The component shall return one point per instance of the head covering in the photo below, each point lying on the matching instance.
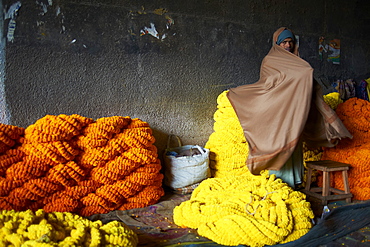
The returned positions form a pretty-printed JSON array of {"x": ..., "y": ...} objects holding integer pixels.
[
  {"x": 276, "y": 35},
  {"x": 284, "y": 35}
]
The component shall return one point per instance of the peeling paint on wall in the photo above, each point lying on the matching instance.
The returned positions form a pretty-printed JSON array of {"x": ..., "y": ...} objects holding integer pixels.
[
  {"x": 160, "y": 11},
  {"x": 152, "y": 30},
  {"x": 4, "y": 111},
  {"x": 44, "y": 6},
  {"x": 170, "y": 22}
]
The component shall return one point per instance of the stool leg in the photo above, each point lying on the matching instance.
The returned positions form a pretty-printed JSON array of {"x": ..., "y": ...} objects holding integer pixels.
[
  {"x": 308, "y": 179},
  {"x": 346, "y": 185},
  {"x": 326, "y": 185}
]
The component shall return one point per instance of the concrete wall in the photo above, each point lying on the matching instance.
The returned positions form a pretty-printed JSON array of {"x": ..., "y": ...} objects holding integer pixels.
[{"x": 88, "y": 56}]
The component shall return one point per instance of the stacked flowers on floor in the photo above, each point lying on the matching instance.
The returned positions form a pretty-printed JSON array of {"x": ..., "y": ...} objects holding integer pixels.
[
  {"x": 249, "y": 210},
  {"x": 355, "y": 115},
  {"x": 70, "y": 163},
  {"x": 27, "y": 228},
  {"x": 236, "y": 207},
  {"x": 228, "y": 146}
]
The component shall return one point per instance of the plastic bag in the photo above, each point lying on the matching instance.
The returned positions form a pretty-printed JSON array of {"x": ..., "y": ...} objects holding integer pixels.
[{"x": 185, "y": 165}]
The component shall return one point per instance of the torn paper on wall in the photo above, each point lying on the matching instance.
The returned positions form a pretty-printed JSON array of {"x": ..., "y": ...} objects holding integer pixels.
[
  {"x": 11, "y": 14},
  {"x": 152, "y": 31},
  {"x": 331, "y": 49},
  {"x": 44, "y": 6},
  {"x": 12, "y": 11},
  {"x": 11, "y": 29}
]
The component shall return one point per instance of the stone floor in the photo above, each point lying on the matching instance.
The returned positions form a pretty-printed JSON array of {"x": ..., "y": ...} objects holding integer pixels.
[{"x": 360, "y": 237}]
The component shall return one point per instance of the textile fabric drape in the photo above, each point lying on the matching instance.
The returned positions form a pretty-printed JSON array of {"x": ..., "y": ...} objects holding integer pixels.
[{"x": 273, "y": 111}]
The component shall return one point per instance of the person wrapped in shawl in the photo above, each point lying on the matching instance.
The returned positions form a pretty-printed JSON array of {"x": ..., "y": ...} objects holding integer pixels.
[{"x": 282, "y": 109}]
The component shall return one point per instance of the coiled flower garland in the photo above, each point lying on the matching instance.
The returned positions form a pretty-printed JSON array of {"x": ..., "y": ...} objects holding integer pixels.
[
  {"x": 27, "y": 228},
  {"x": 228, "y": 146},
  {"x": 9, "y": 136},
  {"x": 250, "y": 210},
  {"x": 355, "y": 115},
  {"x": 69, "y": 163}
]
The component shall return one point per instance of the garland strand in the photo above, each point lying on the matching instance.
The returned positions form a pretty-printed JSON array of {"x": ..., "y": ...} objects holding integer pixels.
[
  {"x": 250, "y": 210},
  {"x": 27, "y": 228}
]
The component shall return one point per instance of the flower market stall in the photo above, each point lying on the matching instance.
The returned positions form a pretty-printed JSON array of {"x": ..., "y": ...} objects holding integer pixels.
[
  {"x": 72, "y": 180},
  {"x": 73, "y": 164}
]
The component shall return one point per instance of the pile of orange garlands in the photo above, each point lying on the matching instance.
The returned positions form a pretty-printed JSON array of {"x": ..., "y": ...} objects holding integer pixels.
[
  {"x": 355, "y": 115},
  {"x": 70, "y": 163}
]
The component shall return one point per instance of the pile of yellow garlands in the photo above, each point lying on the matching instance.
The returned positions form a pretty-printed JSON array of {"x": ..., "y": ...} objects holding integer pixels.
[
  {"x": 250, "y": 210},
  {"x": 70, "y": 163},
  {"x": 355, "y": 115},
  {"x": 228, "y": 146},
  {"x": 229, "y": 149},
  {"x": 27, "y": 228},
  {"x": 236, "y": 207}
]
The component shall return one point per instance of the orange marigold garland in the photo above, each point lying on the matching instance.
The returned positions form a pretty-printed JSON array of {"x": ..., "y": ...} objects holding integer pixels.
[
  {"x": 27, "y": 169},
  {"x": 127, "y": 188},
  {"x": 56, "y": 128},
  {"x": 355, "y": 115},
  {"x": 7, "y": 185},
  {"x": 9, "y": 135},
  {"x": 10, "y": 157},
  {"x": 69, "y": 163}
]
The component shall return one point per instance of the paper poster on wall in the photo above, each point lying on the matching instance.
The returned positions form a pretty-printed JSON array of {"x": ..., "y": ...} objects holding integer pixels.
[{"x": 330, "y": 49}]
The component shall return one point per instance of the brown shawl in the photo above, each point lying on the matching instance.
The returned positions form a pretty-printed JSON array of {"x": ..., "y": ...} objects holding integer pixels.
[{"x": 273, "y": 112}]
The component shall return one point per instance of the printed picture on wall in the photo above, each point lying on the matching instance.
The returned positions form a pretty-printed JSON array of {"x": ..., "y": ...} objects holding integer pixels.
[{"x": 330, "y": 50}]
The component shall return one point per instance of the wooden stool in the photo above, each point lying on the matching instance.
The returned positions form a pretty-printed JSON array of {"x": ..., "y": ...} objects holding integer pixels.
[{"x": 327, "y": 166}]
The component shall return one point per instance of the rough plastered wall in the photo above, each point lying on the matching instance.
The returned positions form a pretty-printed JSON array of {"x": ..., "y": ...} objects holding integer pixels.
[{"x": 164, "y": 62}]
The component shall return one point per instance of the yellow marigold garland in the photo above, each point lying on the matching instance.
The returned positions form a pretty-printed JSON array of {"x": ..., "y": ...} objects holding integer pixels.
[
  {"x": 228, "y": 146},
  {"x": 333, "y": 100},
  {"x": 74, "y": 164},
  {"x": 282, "y": 220},
  {"x": 27, "y": 228},
  {"x": 250, "y": 210}
]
